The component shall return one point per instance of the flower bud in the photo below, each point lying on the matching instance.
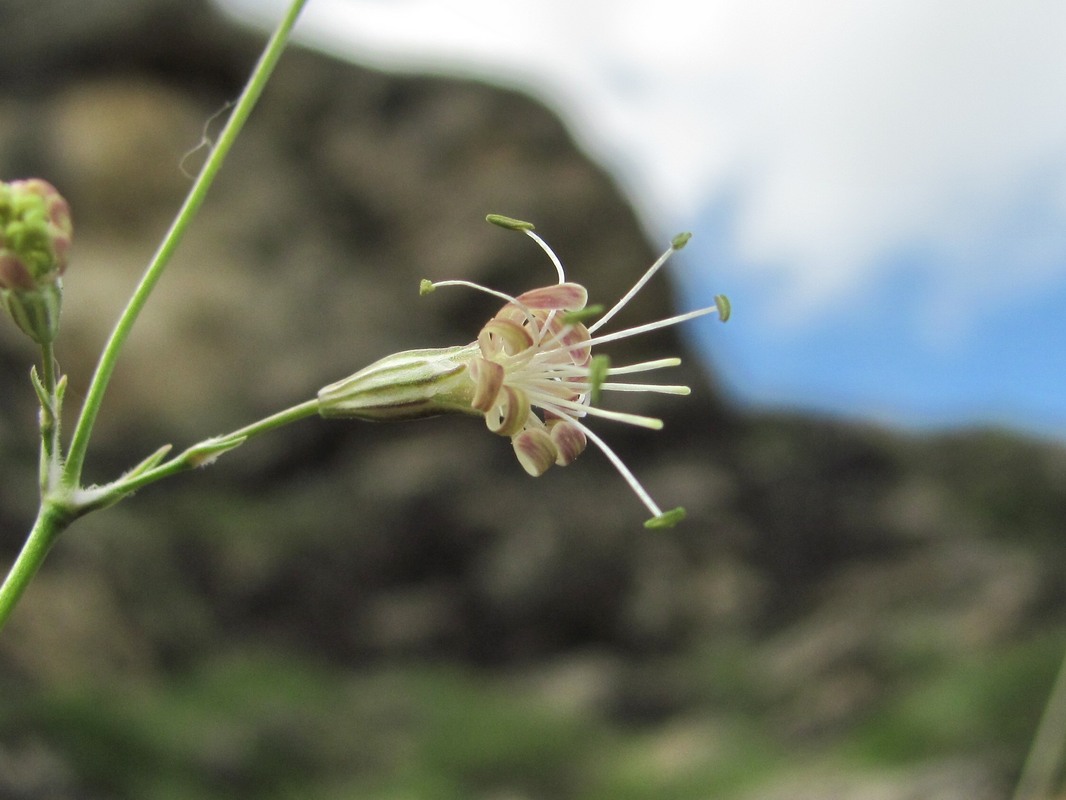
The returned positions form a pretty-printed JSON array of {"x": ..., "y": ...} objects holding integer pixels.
[
  {"x": 408, "y": 385},
  {"x": 35, "y": 236}
]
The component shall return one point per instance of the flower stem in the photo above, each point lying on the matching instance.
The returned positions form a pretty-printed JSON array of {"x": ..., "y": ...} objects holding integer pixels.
[
  {"x": 198, "y": 455},
  {"x": 50, "y": 410},
  {"x": 51, "y": 521},
  {"x": 109, "y": 357}
]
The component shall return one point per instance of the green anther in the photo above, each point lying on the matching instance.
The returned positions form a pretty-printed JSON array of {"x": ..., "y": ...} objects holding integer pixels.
[
  {"x": 680, "y": 240},
  {"x": 509, "y": 222},
  {"x": 721, "y": 302},
  {"x": 598, "y": 367},
  {"x": 425, "y": 287},
  {"x": 667, "y": 519},
  {"x": 588, "y": 312}
]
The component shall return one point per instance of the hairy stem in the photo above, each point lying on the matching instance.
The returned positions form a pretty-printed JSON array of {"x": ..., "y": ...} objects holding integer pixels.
[
  {"x": 209, "y": 449},
  {"x": 51, "y": 521},
  {"x": 50, "y": 446}
]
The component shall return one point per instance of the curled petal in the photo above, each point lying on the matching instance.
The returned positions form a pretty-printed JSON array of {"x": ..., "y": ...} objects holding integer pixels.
[
  {"x": 510, "y": 412},
  {"x": 560, "y": 297},
  {"x": 488, "y": 378},
  {"x": 569, "y": 440},
  {"x": 503, "y": 335},
  {"x": 528, "y": 321},
  {"x": 535, "y": 450}
]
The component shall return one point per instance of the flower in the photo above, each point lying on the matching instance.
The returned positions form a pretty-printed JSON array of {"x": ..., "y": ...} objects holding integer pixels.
[
  {"x": 35, "y": 235},
  {"x": 531, "y": 374}
]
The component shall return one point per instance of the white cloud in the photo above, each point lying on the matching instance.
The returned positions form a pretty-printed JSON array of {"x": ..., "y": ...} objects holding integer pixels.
[{"x": 843, "y": 131}]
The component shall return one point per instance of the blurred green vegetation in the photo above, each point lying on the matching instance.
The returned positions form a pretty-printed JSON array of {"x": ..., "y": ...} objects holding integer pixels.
[{"x": 261, "y": 724}]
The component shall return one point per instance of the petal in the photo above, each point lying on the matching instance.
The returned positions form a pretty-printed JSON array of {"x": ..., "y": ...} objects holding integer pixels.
[
  {"x": 508, "y": 416},
  {"x": 488, "y": 375},
  {"x": 569, "y": 440},
  {"x": 535, "y": 451},
  {"x": 568, "y": 334},
  {"x": 503, "y": 335},
  {"x": 560, "y": 297}
]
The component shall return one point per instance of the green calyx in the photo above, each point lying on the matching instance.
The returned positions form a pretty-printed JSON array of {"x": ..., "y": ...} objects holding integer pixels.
[
  {"x": 35, "y": 311},
  {"x": 408, "y": 385}
]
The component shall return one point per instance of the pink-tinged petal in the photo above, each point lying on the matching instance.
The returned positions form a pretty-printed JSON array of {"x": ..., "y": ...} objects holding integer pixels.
[
  {"x": 503, "y": 335},
  {"x": 570, "y": 334},
  {"x": 535, "y": 451},
  {"x": 560, "y": 297},
  {"x": 13, "y": 273},
  {"x": 488, "y": 377},
  {"x": 508, "y": 416},
  {"x": 569, "y": 441},
  {"x": 579, "y": 335}
]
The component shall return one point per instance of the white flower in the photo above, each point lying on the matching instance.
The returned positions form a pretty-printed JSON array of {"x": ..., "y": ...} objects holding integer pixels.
[{"x": 531, "y": 374}]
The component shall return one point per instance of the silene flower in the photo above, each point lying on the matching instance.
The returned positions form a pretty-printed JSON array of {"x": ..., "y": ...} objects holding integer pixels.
[{"x": 531, "y": 374}]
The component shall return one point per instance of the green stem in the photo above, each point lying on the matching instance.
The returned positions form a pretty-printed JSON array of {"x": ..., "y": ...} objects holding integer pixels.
[
  {"x": 109, "y": 357},
  {"x": 306, "y": 409},
  {"x": 48, "y": 368},
  {"x": 49, "y": 417},
  {"x": 51, "y": 521},
  {"x": 198, "y": 455}
]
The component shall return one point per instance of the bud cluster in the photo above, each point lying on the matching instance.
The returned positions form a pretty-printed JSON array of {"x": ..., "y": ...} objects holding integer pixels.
[{"x": 35, "y": 236}]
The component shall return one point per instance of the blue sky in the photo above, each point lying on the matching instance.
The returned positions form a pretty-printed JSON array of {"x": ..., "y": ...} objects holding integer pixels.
[{"x": 880, "y": 187}]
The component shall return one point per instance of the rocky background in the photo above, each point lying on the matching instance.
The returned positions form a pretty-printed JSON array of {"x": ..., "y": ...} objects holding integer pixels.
[{"x": 347, "y": 610}]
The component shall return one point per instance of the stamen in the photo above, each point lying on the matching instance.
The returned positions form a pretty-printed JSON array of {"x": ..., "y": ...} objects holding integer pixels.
[
  {"x": 667, "y": 519},
  {"x": 559, "y": 406},
  {"x": 574, "y": 317},
  {"x": 651, "y": 326},
  {"x": 428, "y": 286},
  {"x": 578, "y": 371},
  {"x": 632, "y": 292},
  {"x": 645, "y": 366},
  {"x": 623, "y": 470},
  {"x": 598, "y": 368},
  {"x": 510, "y": 223},
  {"x": 544, "y": 246},
  {"x": 657, "y": 388},
  {"x": 724, "y": 307}
]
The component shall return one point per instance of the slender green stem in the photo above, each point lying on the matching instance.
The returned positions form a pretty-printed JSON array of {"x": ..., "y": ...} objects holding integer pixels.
[
  {"x": 306, "y": 409},
  {"x": 109, "y": 357},
  {"x": 51, "y": 521},
  {"x": 48, "y": 368},
  {"x": 49, "y": 417},
  {"x": 200, "y": 454}
]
